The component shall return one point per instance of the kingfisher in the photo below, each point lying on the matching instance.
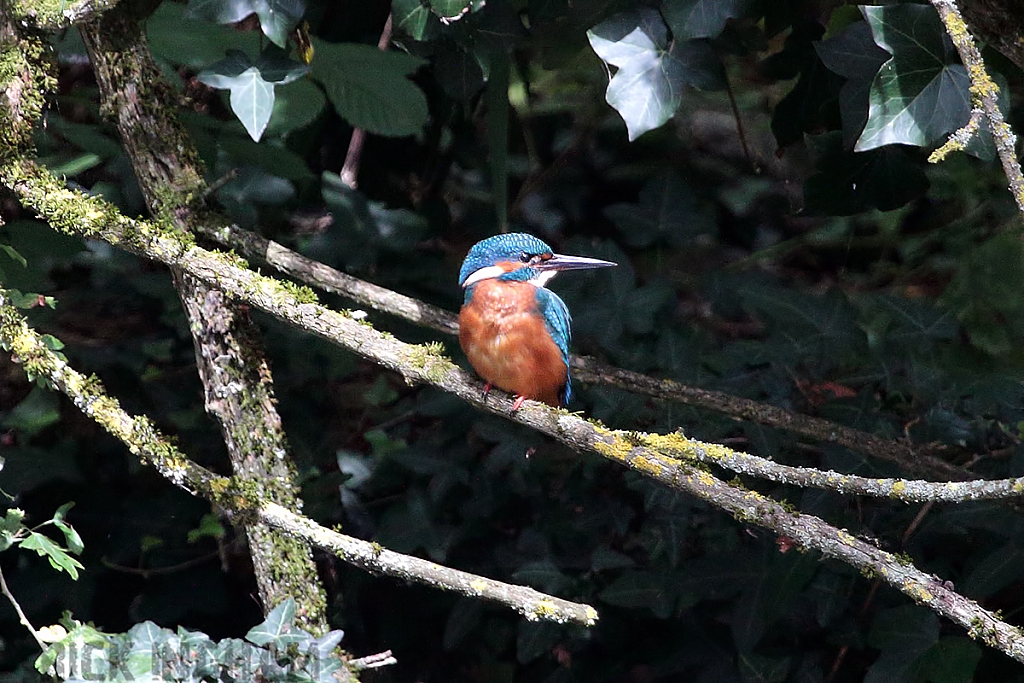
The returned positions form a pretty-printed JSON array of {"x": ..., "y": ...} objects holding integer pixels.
[{"x": 514, "y": 330}]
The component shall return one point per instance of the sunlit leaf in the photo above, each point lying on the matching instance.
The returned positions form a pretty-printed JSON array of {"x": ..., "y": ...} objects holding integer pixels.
[
  {"x": 652, "y": 71},
  {"x": 922, "y": 92}
]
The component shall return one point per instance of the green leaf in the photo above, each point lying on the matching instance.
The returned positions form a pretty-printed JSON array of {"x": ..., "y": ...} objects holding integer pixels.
[
  {"x": 464, "y": 618},
  {"x": 846, "y": 183},
  {"x": 369, "y": 88},
  {"x": 700, "y": 18},
  {"x": 902, "y": 634},
  {"x": 209, "y": 527},
  {"x": 35, "y": 412},
  {"x": 668, "y": 210},
  {"x": 922, "y": 92},
  {"x": 58, "y": 557},
  {"x": 758, "y": 669},
  {"x": 277, "y": 17},
  {"x": 450, "y": 9},
  {"x": 252, "y": 85},
  {"x": 220, "y": 11},
  {"x": 71, "y": 537},
  {"x": 951, "y": 660},
  {"x": 536, "y": 638},
  {"x": 176, "y": 37},
  {"x": 10, "y": 525},
  {"x": 648, "y": 86},
  {"x": 13, "y": 255},
  {"x": 415, "y": 19},
  {"x": 276, "y": 629},
  {"x": 640, "y": 589},
  {"x": 853, "y": 54}
]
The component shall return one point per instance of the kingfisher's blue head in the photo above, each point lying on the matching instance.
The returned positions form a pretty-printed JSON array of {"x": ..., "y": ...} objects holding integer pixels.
[{"x": 519, "y": 257}]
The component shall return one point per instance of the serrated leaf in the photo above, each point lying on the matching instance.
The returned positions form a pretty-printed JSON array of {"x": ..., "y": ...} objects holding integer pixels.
[
  {"x": 369, "y": 88},
  {"x": 700, "y": 18},
  {"x": 652, "y": 72},
  {"x": 58, "y": 557},
  {"x": 71, "y": 537},
  {"x": 922, "y": 92}
]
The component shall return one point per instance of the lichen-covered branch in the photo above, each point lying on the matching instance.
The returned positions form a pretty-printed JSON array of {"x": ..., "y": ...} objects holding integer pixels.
[
  {"x": 241, "y": 497},
  {"x": 585, "y": 369},
  {"x": 986, "y": 94},
  {"x": 424, "y": 363},
  {"x": 906, "y": 490},
  {"x": 234, "y": 371}
]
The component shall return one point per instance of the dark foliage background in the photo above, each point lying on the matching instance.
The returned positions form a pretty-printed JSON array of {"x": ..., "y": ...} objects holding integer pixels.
[{"x": 865, "y": 287}]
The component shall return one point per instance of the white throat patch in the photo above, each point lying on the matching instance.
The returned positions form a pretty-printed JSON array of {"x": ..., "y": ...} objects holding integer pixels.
[{"x": 490, "y": 272}]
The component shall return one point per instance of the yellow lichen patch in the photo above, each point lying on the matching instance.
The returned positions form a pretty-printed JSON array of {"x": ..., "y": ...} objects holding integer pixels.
[
  {"x": 899, "y": 488},
  {"x": 591, "y": 615},
  {"x": 545, "y": 609},
  {"x": 917, "y": 591},
  {"x": 705, "y": 479},
  {"x": 646, "y": 465},
  {"x": 478, "y": 586},
  {"x": 617, "y": 450}
]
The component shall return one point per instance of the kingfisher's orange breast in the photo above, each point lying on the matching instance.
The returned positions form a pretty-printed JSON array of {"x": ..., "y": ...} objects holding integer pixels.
[{"x": 502, "y": 332}]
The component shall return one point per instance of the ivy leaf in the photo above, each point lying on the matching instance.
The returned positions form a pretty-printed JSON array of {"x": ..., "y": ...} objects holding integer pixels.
[
  {"x": 58, "y": 557},
  {"x": 903, "y": 634},
  {"x": 922, "y": 92},
  {"x": 700, "y": 18},
  {"x": 369, "y": 88},
  {"x": 450, "y": 9},
  {"x": 847, "y": 182},
  {"x": 277, "y": 17},
  {"x": 276, "y": 629},
  {"x": 648, "y": 86},
  {"x": 252, "y": 85},
  {"x": 853, "y": 54},
  {"x": 667, "y": 210}
]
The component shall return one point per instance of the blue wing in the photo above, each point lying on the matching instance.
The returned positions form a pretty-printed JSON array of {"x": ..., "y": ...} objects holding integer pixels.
[{"x": 559, "y": 325}]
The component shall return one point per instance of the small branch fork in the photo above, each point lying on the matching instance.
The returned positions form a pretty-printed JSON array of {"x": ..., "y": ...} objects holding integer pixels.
[{"x": 985, "y": 93}]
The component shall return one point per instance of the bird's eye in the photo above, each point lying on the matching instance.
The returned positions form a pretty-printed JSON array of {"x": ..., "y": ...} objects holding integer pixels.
[{"x": 524, "y": 257}]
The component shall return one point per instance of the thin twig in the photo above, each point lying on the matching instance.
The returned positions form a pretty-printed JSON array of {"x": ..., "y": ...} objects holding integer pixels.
[
  {"x": 350, "y": 169},
  {"x": 986, "y": 93},
  {"x": 21, "y": 614},
  {"x": 373, "y": 661},
  {"x": 739, "y": 123}
]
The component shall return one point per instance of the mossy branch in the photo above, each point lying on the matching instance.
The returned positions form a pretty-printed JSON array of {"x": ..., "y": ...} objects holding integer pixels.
[
  {"x": 588, "y": 370},
  {"x": 242, "y": 498},
  {"x": 80, "y": 214},
  {"x": 56, "y": 15},
  {"x": 985, "y": 93}
]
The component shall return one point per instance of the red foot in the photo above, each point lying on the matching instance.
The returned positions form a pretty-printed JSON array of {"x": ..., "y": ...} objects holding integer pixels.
[
  {"x": 487, "y": 389},
  {"x": 518, "y": 404}
]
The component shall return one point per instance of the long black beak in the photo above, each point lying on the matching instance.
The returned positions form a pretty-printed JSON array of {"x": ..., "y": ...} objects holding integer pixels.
[{"x": 563, "y": 262}]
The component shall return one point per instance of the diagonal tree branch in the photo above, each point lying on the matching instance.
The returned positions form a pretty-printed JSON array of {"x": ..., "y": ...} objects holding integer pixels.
[
  {"x": 590, "y": 370},
  {"x": 424, "y": 364},
  {"x": 241, "y": 497},
  {"x": 986, "y": 94}
]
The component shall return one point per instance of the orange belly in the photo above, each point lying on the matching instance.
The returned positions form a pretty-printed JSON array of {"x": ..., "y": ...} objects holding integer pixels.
[{"x": 505, "y": 339}]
